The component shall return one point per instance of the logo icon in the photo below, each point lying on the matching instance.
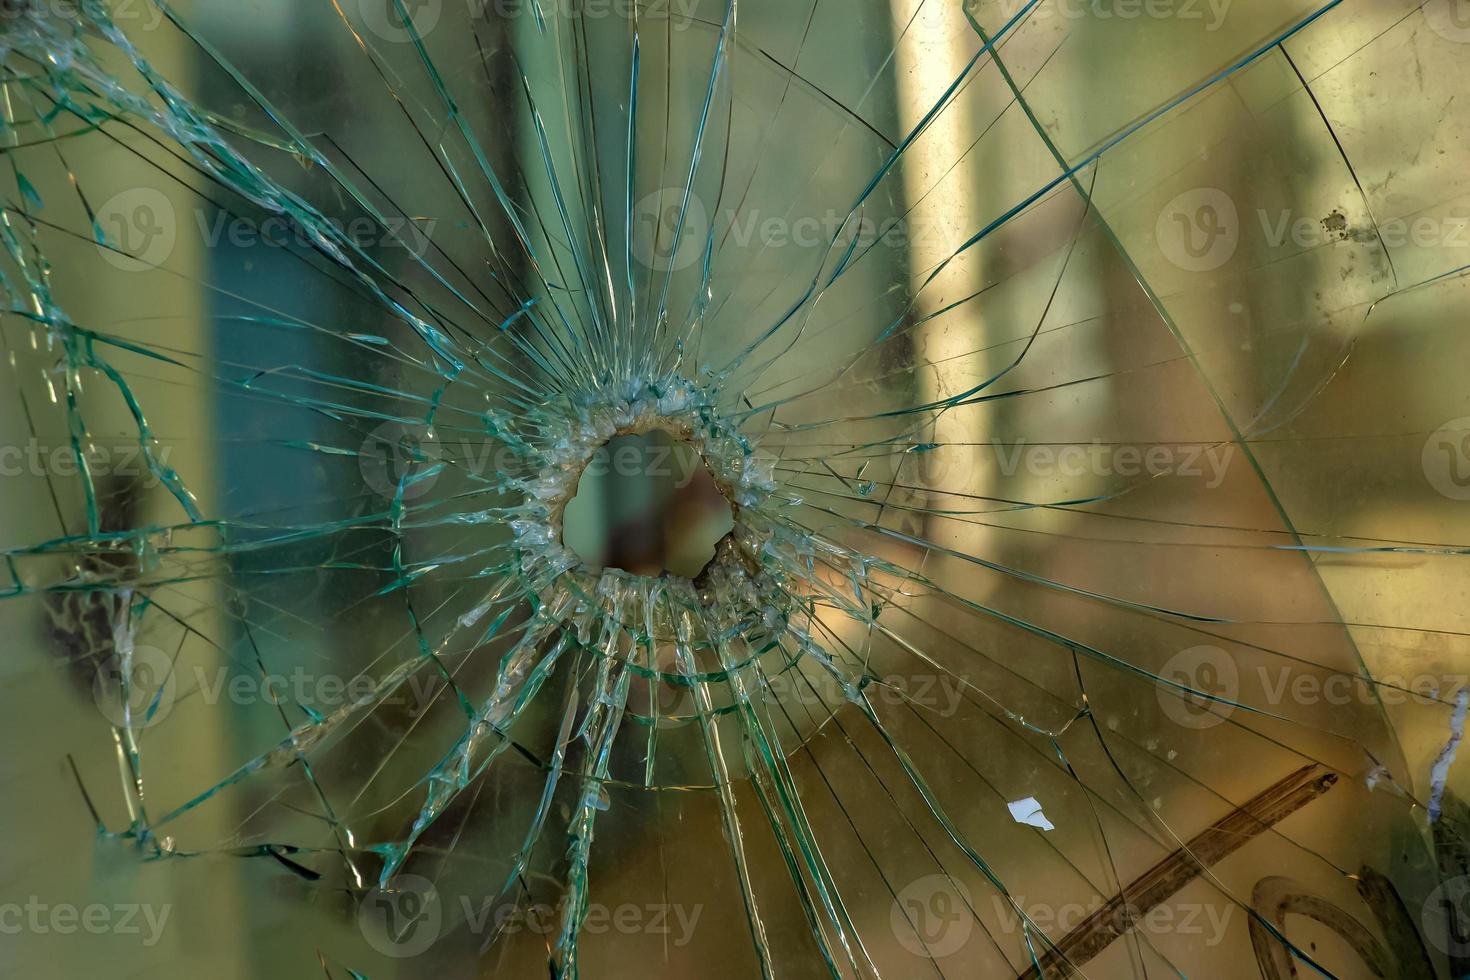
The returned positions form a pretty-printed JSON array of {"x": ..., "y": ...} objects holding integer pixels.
[
  {"x": 137, "y": 229},
  {"x": 1446, "y": 459},
  {"x": 394, "y": 454},
  {"x": 1204, "y": 669},
  {"x": 656, "y": 227},
  {"x": 932, "y": 916},
  {"x": 675, "y": 702},
  {"x": 386, "y": 18},
  {"x": 1450, "y": 19},
  {"x": 1447, "y": 917},
  {"x": 135, "y": 692},
  {"x": 403, "y": 918},
  {"x": 1199, "y": 230}
]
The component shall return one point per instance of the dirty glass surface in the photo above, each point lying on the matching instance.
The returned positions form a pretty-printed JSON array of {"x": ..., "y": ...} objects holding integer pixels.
[{"x": 1084, "y": 379}]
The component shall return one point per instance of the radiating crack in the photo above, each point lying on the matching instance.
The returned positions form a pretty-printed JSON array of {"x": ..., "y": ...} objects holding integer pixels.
[{"x": 1038, "y": 350}]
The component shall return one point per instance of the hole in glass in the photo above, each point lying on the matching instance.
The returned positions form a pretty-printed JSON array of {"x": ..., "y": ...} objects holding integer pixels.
[{"x": 647, "y": 504}]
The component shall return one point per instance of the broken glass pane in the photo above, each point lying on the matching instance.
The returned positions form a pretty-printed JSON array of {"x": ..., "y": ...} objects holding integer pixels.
[{"x": 1068, "y": 395}]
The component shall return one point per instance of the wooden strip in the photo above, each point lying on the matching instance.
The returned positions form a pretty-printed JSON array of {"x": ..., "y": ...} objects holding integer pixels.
[{"x": 1163, "y": 880}]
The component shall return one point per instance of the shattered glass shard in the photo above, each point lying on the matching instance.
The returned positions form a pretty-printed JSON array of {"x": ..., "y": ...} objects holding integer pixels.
[{"x": 1054, "y": 573}]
